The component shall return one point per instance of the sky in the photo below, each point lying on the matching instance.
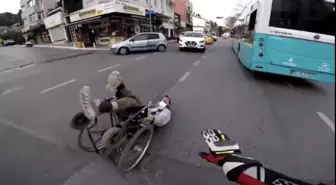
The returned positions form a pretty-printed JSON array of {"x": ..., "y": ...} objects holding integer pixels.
[
  {"x": 9, "y": 6},
  {"x": 210, "y": 9}
]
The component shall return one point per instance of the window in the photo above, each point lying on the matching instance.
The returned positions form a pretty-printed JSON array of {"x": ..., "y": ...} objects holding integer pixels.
[
  {"x": 31, "y": 3},
  {"x": 147, "y": 1},
  {"x": 192, "y": 34},
  {"x": 304, "y": 15},
  {"x": 32, "y": 17},
  {"x": 153, "y": 36},
  {"x": 155, "y": 2},
  {"x": 252, "y": 21},
  {"x": 140, "y": 37},
  {"x": 40, "y": 16}
]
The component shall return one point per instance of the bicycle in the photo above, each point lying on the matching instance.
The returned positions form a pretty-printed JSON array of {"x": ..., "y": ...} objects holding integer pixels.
[{"x": 121, "y": 136}]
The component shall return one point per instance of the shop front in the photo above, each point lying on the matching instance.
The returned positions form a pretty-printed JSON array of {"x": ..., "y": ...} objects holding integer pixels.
[
  {"x": 56, "y": 27},
  {"x": 105, "y": 23}
]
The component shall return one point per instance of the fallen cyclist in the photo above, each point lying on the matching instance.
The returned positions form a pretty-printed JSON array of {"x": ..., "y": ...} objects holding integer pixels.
[{"x": 123, "y": 103}]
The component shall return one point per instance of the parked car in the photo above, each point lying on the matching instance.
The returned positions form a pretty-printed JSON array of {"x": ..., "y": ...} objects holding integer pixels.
[
  {"x": 192, "y": 40},
  {"x": 29, "y": 44},
  {"x": 9, "y": 42},
  {"x": 141, "y": 42}
]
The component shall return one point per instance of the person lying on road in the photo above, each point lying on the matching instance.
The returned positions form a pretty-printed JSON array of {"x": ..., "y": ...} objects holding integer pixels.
[{"x": 125, "y": 101}]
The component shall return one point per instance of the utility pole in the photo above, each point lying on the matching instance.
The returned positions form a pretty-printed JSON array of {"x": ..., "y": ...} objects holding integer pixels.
[{"x": 150, "y": 21}]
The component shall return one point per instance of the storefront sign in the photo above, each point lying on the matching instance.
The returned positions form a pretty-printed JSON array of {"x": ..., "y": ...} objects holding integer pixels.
[
  {"x": 54, "y": 20},
  {"x": 106, "y": 8},
  {"x": 133, "y": 10}
]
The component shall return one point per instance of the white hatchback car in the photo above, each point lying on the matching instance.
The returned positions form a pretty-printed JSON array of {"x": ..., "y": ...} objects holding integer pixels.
[{"x": 192, "y": 40}]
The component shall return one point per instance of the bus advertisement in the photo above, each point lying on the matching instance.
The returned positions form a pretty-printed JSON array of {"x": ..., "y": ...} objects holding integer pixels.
[{"x": 288, "y": 37}]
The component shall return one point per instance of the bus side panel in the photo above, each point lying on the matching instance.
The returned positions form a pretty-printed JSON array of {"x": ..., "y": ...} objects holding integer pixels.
[
  {"x": 235, "y": 45},
  {"x": 245, "y": 54},
  {"x": 285, "y": 56}
]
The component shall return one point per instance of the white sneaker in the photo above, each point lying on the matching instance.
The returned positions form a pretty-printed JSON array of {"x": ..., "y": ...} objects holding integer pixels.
[{"x": 88, "y": 105}]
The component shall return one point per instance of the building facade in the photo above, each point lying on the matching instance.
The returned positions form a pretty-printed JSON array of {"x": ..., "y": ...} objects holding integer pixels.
[
  {"x": 55, "y": 23},
  {"x": 189, "y": 15},
  {"x": 33, "y": 13},
  {"x": 104, "y": 22},
  {"x": 180, "y": 15}
]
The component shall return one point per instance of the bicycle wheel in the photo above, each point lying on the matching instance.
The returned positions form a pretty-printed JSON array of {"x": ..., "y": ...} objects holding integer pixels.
[
  {"x": 86, "y": 144},
  {"x": 112, "y": 138},
  {"x": 143, "y": 137}
]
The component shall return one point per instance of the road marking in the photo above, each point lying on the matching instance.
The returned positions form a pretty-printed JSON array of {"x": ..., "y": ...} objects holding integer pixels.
[
  {"x": 184, "y": 76},
  {"x": 57, "y": 86},
  {"x": 108, "y": 68},
  {"x": 203, "y": 56},
  {"x": 197, "y": 63},
  {"x": 7, "y": 91},
  {"x": 17, "y": 68},
  {"x": 140, "y": 57},
  {"x": 327, "y": 121}
]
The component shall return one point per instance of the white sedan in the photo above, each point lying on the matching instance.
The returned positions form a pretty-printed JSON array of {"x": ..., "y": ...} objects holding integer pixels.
[{"x": 192, "y": 40}]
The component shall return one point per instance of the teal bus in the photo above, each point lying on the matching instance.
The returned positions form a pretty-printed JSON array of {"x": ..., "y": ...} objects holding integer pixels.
[{"x": 288, "y": 37}]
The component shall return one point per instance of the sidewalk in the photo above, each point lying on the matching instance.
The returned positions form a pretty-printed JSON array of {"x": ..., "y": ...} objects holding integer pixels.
[{"x": 70, "y": 46}]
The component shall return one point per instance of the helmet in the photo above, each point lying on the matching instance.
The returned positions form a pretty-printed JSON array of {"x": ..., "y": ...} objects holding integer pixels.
[
  {"x": 79, "y": 121},
  {"x": 114, "y": 80}
]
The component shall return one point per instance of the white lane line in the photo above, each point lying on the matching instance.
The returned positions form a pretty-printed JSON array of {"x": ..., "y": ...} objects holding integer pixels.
[
  {"x": 203, "y": 56},
  {"x": 184, "y": 76},
  {"x": 17, "y": 68},
  {"x": 139, "y": 58},
  {"x": 7, "y": 91},
  {"x": 327, "y": 121},
  {"x": 197, "y": 63},
  {"x": 108, "y": 68},
  {"x": 57, "y": 86}
]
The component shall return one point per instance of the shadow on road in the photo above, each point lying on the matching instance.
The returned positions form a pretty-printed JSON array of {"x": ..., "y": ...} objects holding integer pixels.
[{"x": 283, "y": 81}]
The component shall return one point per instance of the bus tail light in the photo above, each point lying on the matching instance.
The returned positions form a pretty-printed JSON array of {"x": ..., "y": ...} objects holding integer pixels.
[
  {"x": 261, "y": 40},
  {"x": 261, "y": 44},
  {"x": 261, "y": 54}
]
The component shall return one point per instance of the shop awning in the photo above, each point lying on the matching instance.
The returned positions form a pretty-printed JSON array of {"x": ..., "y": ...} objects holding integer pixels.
[
  {"x": 161, "y": 16},
  {"x": 85, "y": 21}
]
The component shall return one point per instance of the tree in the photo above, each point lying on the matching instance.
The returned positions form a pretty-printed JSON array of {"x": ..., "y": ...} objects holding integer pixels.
[
  {"x": 16, "y": 36},
  {"x": 231, "y": 20},
  {"x": 8, "y": 19},
  {"x": 221, "y": 30}
]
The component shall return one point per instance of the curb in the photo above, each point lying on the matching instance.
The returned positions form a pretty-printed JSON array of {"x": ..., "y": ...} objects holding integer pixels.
[{"x": 72, "y": 48}]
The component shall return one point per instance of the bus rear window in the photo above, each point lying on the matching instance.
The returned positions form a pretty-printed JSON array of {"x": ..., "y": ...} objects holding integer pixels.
[{"x": 316, "y": 16}]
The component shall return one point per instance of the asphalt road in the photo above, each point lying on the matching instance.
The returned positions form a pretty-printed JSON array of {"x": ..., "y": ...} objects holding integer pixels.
[{"x": 277, "y": 120}]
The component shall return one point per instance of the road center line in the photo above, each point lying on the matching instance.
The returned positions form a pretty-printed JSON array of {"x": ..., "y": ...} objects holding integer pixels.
[
  {"x": 197, "y": 63},
  {"x": 108, "y": 68},
  {"x": 140, "y": 58},
  {"x": 7, "y": 91},
  {"x": 57, "y": 86},
  {"x": 184, "y": 76},
  {"x": 327, "y": 120}
]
